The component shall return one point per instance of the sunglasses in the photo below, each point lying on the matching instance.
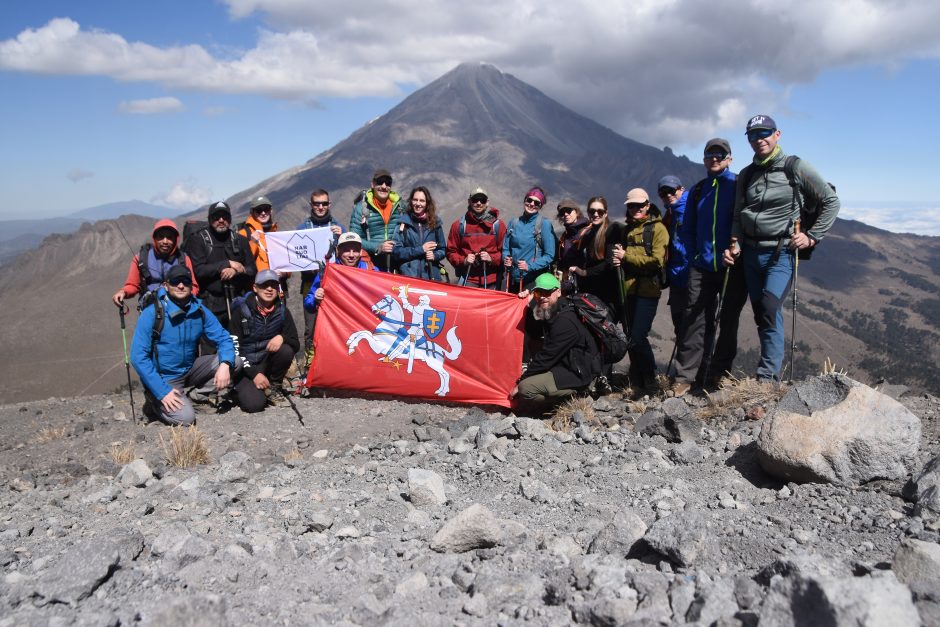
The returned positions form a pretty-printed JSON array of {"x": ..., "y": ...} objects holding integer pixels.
[
  {"x": 635, "y": 206},
  {"x": 565, "y": 211},
  {"x": 535, "y": 202},
  {"x": 383, "y": 181},
  {"x": 479, "y": 200},
  {"x": 597, "y": 212},
  {"x": 760, "y": 133},
  {"x": 262, "y": 209},
  {"x": 270, "y": 285},
  {"x": 720, "y": 156},
  {"x": 667, "y": 191},
  {"x": 220, "y": 216},
  {"x": 319, "y": 203},
  {"x": 184, "y": 281},
  {"x": 539, "y": 293}
]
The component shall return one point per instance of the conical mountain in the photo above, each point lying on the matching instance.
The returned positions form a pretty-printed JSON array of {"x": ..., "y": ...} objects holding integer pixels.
[{"x": 478, "y": 126}]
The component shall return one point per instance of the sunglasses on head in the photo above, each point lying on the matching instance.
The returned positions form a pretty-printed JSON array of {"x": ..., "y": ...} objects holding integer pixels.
[
  {"x": 760, "y": 133},
  {"x": 533, "y": 201},
  {"x": 383, "y": 180}
]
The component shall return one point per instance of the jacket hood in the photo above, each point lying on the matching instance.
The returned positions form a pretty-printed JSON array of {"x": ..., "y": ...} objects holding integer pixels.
[
  {"x": 165, "y": 223},
  {"x": 393, "y": 197},
  {"x": 254, "y": 225}
]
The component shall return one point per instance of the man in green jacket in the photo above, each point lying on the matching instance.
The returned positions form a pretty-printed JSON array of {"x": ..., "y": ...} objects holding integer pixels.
[
  {"x": 766, "y": 211},
  {"x": 375, "y": 216}
]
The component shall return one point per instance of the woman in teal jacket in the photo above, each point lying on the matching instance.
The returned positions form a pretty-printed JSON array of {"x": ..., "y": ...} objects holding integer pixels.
[{"x": 525, "y": 254}]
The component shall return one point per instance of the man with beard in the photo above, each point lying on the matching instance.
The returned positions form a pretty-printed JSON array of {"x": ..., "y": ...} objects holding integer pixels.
[
  {"x": 320, "y": 216},
  {"x": 569, "y": 358},
  {"x": 475, "y": 242},
  {"x": 375, "y": 216},
  {"x": 149, "y": 266},
  {"x": 164, "y": 350},
  {"x": 222, "y": 262}
]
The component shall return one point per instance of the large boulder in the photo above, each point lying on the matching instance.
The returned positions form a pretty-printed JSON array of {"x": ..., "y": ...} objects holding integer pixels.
[{"x": 831, "y": 429}]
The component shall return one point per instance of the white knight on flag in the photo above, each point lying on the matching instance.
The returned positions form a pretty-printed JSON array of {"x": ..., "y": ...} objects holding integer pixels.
[{"x": 292, "y": 251}]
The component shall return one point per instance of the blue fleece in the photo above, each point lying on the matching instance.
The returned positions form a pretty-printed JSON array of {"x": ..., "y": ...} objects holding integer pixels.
[{"x": 706, "y": 228}]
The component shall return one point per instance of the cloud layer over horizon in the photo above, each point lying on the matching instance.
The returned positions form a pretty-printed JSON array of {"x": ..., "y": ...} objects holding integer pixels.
[{"x": 653, "y": 71}]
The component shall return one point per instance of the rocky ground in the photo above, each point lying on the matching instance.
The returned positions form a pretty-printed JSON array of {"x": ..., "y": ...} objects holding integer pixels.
[{"x": 384, "y": 512}]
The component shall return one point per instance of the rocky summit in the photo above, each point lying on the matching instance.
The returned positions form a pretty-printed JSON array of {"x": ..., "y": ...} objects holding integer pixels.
[{"x": 651, "y": 512}]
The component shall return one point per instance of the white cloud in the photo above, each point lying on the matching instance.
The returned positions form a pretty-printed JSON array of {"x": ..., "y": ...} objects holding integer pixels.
[
  {"x": 652, "y": 70},
  {"x": 151, "y": 106},
  {"x": 77, "y": 174},
  {"x": 184, "y": 195},
  {"x": 923, "y": 220}
]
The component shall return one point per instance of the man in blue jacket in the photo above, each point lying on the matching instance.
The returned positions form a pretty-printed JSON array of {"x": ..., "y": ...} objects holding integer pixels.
[
  {"x": 165, "y": 345},
  {"x": 674, "y": 197},
  {"x": 706, "y": 232}
]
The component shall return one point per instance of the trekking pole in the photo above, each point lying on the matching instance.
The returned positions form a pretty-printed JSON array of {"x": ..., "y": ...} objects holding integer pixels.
[
  {"x": 227, "y": 290},
  {"x": 484, "y": 274},
  {"x": 796, "y": 273},
  {"x": 721, "y": 304},
  {"x": 122, "y": 310},
  {"x": 293, "y": 406},
  {"x": 427, "y": 266}
]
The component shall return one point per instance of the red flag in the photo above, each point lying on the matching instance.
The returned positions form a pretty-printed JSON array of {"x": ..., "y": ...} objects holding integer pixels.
[{"x": 398, "y": 335}]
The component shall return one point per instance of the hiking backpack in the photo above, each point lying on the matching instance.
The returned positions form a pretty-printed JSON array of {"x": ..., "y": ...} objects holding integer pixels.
[
  {"x": 200, "y": 228},
  {"x": 808, "y": 202},
  {"x": 594, "y": 314},
  {"x": 143, "y": 269}
]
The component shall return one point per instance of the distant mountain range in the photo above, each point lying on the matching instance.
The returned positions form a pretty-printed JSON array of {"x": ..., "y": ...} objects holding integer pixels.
[
  {"x": 17, "y": 236},
  {"x": 869, "y": 299}
]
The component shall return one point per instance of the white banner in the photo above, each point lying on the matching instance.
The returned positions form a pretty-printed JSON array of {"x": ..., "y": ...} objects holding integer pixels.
[{"x": 291, "y": 251}]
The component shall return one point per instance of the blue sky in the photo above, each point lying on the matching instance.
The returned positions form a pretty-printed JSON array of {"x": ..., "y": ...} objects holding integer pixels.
[{"x": 180, "y": 103}]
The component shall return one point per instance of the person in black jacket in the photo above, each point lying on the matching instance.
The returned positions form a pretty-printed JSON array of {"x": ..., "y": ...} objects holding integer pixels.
[
  {"x": 569, "y": 358},
  {"x": 266, "y": 342},
  {"x": 222, "y": 262}
]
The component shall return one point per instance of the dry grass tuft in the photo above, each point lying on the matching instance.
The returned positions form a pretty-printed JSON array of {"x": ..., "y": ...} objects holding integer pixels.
[
  {"x": 830, "y": 368},
  {"x": 293, "y": 455},
  {"x": 47, "y": 434},
  {"x": 561, "y": 417},
  {"x": 186, "y": 448},
  {"x": 745, "y": 392},
  {"x": 122, "y": 453}
]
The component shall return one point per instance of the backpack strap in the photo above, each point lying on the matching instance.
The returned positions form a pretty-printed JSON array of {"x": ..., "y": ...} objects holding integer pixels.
[
  {"x": 648, "y": 238},
  {"x": 538, "y": 233},
  {"x": 143, "y": 266},
  {"x": 159, "y": 314}
]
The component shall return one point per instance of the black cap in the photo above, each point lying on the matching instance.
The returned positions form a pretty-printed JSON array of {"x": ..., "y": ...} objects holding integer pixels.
[
  {"x": 177, "y": 272},
  {"x": 718, "y": 142},
  {"x": 220, "y": 207},
  {"x": 760, "y": 121}
]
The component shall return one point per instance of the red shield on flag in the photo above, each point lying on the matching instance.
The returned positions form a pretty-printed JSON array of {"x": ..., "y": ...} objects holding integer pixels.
[{"x": 371, "y": 336}]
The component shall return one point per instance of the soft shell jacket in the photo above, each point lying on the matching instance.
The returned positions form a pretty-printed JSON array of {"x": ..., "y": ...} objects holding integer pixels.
[
  {"x": 210, "y": 260},
  {"x": 569, "y": 351},
  {"x": 678, "y": 263},
  {"x": 764, "y": 213},
  {"x": 480, "y": 233},
  {"x": 408, "y": 255},
  {"x": 257, "y": 330},
  {"x": 310, "y": 301},
  {"x": 157, "y": 265},
  {"x": 569, "y": 246},
  {"x": 519, "y": 243},
  {"x": 367, "y": 222},
  {"x": 178, "y": 345},
  {"x": 259, "y": 247},
  {"x": 641, "y": 271},
  {"x": 707, "y": 225}
]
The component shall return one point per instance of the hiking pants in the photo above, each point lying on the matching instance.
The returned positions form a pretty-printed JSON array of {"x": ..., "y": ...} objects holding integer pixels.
[
  {"x": 726, "y": 348},
  {"x": 201, "y": 377},
  {"x": 768, "y": 283},
  {"x": 274, "y": 366},
  {"x": 540, "y": 390},
  {"x": 698, "y": 328},
  {"x": 640, "y": 311}
]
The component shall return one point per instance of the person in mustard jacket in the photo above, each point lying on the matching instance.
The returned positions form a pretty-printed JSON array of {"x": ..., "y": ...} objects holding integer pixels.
[{"x": 638, "y": 250}]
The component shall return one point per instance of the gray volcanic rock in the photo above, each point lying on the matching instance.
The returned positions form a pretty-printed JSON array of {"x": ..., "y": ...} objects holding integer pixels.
[
  {"x": 683, "y": 537},
  {"x": 474, "y": 528},
  {"x": 830, "y": 428},
  {"x": 917, "y": 564},
  {"x": 426, "y": 488}
]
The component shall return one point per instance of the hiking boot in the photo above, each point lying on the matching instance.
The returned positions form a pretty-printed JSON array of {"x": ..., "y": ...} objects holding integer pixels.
[
  {"x": 680, "y": 388},
  {"x": 275, "y": 397}
]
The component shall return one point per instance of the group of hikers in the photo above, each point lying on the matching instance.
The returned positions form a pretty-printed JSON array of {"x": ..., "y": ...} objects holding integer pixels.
[{"x": 713, "y": 245}]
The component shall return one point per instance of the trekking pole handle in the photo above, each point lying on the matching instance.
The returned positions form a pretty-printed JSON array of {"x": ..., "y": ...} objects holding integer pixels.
[
  {"x": 735, "y": 248},
  {"x": 796, "y": 227}
]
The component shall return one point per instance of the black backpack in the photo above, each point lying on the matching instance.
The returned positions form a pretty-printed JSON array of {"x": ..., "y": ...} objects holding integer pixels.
[
  {"x": 806, "y": 199},
  {"x": 147, "y": 296},
  {"x": 593, "y": 313}
]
